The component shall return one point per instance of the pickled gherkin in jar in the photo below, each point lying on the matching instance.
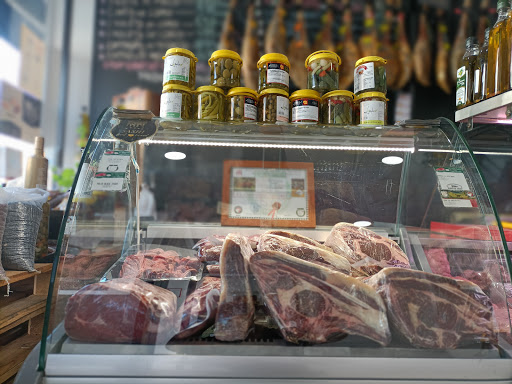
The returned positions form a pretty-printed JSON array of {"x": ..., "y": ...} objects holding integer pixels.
[
  {"x": 210, "y": 103},
  {"x": 338, "y": 108},
  {"x": 225, "y": 69},
  {"x": 176, "y": 102}
]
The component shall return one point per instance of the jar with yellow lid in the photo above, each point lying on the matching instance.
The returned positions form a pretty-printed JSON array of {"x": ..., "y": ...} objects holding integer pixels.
[
  {"x": 242, "y": 105},
  {"x": 323, "y": 67},
  {"x": 373, "y": 108},
  {"x": 305, "y": 105},
  {"x": 225, "y": 68},
  {"x": 176, "y": 102},
  {"x": 274, "y": 72},
  {"x": 273, "y": 106},
  {"x": 370, "y": 75},
  {"x": 211, "y": 103},
  {"x": 180, "y": 67},
  {"x": 338, "y": 108}
]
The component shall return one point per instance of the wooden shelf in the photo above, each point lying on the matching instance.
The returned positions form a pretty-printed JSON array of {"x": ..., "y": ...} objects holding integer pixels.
[
  {"x": 15, "y": 276},
  {"x": 20, "y": 311}
]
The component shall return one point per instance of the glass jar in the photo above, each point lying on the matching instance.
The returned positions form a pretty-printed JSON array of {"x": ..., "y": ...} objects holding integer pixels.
[
  {"x": 373, "y": 108},
  {"x": 338, "y": 108},
  {"x": 322, "y": 67},
  {"x": 211, "y": 103},
  {"x": 274, "y": 72},
  {"x": 180, "y": 67},
  {"x": 242, "y": 105},
  {"x": 305, "y": 105},
  {"x": 176, "y": 102},
  {"x": 370, "y": 75},
  {"x": 273, "y": 106},
  {"x": 225, "y": 68}
]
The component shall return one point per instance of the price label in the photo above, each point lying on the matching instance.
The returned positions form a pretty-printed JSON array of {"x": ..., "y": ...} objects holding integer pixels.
[{"x": 111, "y": 171}]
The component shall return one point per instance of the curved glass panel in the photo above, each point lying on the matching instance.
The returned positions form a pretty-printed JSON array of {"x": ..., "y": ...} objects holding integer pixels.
[{"x": 418, "y": 187}]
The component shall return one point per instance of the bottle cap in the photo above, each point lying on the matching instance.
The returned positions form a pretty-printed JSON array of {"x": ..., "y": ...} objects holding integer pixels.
[{"x": 470, "y": 41}]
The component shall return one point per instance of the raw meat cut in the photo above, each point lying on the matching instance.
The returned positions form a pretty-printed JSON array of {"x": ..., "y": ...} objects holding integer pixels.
[
  {"x": 159, "y": 264},
  {"x": 315, "y": 304},
  {"x": 365, "y": 250},
  {"x": 236, "y": 306},
  {"x": 296, "y": 236},
  {"x": 88, "y": 264},
  {"x": 432, "y": 311},
  {"x": 329, "y": 259},
  {"x": 200, "y": 308},
  {"x": 438, "y": 261},
  {"x": 122, "y": 311},
  {"x": 208, "y": 249},
  {"x": 422, "y": 52},
  {"x": 213, "y": 270}
]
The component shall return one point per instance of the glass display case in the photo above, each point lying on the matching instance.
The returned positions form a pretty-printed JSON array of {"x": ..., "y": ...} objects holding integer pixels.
[{"x": 344, "y": 254}]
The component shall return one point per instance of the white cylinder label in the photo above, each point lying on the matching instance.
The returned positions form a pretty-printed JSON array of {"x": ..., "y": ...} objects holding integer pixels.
[
  {"x": 170, "y": 105},
  {"x": 176, "y": 68},
  {"x": 364, "y": 77},
  {"x": 283, "y": 109},
  {"x": 372, "y": 112},
  {"x": 250, "y": 109},
  {"x": 305, "y": 110},
  {"x": 277, "y": 74}
]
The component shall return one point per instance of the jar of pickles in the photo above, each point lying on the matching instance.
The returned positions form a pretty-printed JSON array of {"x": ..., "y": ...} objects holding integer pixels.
[
  {"x": 370, "y": 75},
  {"x": 225, "y": 67},
  {"x": 274, "y": 72},
  {"x": 210, "y": 103},
  {"x": 305, "y": 105},
  {"x": 242, "y": 104},
  {"x": 338, "y": 108},
  {"x": 180, "y": 67},
  {"x": 322, "y": 67},
  {"x": 373, "y": 108},
  {"x": 176, "y": 102},
  {"x": 273, "y": 106}
]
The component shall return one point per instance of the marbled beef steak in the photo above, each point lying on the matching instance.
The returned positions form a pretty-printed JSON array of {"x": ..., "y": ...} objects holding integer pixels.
[
  {"x": 315, "y": 304},
  {"x": 304, "y": 251},
  {"x": 122, "y": 311},
  {"x": 297, "y": 237},
  {"x": 433, "y": 311},
  {"x": 236, "y": 307},
  {"x": 367, "y": 251}
]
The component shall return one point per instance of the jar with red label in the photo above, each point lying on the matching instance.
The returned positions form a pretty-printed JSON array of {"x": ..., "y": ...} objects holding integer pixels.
[
  {"x": 273, "y": 106},
  {"x": 338, "y": 108},
  {"x": 242, "y": 105},
  {"x": 274, "y": 72},
  {"x": 305, "y": 104}
]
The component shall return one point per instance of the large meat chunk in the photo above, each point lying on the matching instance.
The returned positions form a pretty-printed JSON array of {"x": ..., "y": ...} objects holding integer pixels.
[
  {"x": 315, "y": 304},
  {"x": 304, "y": 251},
  {"x": 367, "y": 252},
  {"x": 200, "y": 308},
  {"x": 122, "y": 311},
  {"x": 433, "y": 311},
  {"x": 236, "y": 306},
  {"x": 297, "y": 237}
]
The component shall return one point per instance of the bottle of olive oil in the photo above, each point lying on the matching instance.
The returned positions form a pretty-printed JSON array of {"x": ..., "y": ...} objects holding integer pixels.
[
  {"x": 498, "y": 56},
  {"x": 480, "y": 81},
  {"x": 466, "y": 74}
]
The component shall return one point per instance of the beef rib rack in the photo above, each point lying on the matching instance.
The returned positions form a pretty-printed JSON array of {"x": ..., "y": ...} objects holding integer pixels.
[
  {"x": 236, "y": 307},
  {"x": 315, "y": 304},
  {"x": 304, "y": 251},
  {"x": 367, "y": 251},
  {"x": 433, "y": 311}
]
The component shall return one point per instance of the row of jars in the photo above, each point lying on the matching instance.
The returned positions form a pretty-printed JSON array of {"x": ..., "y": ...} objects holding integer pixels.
[
  {"x": 272, "y": 105},
  {"x": 274, "y": 71}
]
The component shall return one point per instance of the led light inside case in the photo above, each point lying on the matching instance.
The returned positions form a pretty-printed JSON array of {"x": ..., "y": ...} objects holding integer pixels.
[
  {"x": 392, "y": 160},
  {"x": 363, "y": 223},
  {"x": 175, "y": 155}
]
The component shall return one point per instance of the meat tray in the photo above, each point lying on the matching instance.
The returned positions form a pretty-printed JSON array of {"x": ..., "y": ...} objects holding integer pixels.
[{"x": 180, "y": 286}]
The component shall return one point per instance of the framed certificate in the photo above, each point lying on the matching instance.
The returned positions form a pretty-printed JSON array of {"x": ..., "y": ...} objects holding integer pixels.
[{"x": 268, "y": 194}]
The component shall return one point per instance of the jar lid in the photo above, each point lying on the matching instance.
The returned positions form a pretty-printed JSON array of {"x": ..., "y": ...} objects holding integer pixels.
[
  {"x": 323, "y": 55},
  {"x": 172, "y": 51},
  {"x": 270, "y": 91},
  {"x": 305, "y": 93},
  {"x": 368, "y": 59},
  {"x": 243, "y": 91},
  {"x": 176, "y": 87},
  {"x": 226, "y": 53},
  {"x": 274, "y": 57},
  {"x": 371, "y": 94},
  {"x": 338, "y": 93},
  {"x": 209, "y": 88}
]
